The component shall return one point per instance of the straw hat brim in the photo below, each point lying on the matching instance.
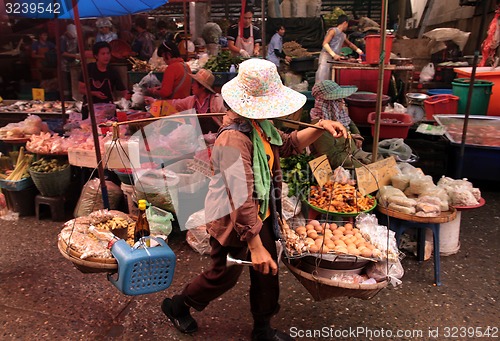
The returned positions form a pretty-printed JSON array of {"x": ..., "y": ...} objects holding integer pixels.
[
  {"x": 202, "y": 82},
  {"x": 282, "y": 102}
]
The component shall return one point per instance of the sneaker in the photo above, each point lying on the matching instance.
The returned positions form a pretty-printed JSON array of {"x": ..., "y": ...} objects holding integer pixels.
[
  {"x": 270, "y": 335},
  {"x": 185, "y": 324}
]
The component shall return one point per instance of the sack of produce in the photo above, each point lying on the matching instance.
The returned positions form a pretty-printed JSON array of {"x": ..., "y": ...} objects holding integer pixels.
[{"x": 91, "y": 199}]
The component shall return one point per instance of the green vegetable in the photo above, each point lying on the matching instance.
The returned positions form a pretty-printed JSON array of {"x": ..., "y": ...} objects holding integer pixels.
[
  {"x": 297, "y": 174},
  {"x": 48, "y": 166},
  {"x": 222, "y": 62}
]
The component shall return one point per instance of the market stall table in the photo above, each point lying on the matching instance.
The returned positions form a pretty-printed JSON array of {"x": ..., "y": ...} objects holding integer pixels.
[
  {"x": 368, "y": 82},
  {"x": 399, "y": 222}
]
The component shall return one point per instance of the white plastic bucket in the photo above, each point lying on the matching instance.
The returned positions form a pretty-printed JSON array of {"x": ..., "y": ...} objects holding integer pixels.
[{"x": 449, "y": 236}]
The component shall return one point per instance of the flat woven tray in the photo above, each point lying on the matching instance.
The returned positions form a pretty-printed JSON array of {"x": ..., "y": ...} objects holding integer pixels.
[
  {"x": 88, "y": 265},
  {"x": 444, "y": 217},
  {"x": 322, "y": 288}
]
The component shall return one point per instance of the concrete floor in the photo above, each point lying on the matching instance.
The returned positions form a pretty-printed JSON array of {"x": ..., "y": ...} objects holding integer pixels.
[{"x": 43, "y": 297}]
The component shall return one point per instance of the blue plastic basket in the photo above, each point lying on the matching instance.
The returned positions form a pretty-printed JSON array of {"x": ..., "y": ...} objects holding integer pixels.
[
  {"x": 16, "y": 185},
  {"x": 143, "y": 271}
]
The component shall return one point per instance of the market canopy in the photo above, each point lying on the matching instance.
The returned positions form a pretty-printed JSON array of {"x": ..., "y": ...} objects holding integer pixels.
[{"x": 63, "y": 9}]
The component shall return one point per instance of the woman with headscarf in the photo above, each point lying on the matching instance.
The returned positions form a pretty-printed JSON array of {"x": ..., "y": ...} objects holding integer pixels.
[
  {"x": 329, "y": 105},
  {"x": 243, "y": 203}
]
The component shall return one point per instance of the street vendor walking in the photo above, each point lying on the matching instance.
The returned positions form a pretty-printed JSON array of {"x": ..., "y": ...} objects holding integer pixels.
[
  {"x": 243, "y": 203},
  {"x": 103, "y": 80},
  {"x": 243, "y": 38},
  {"x": 329, "y": 105},
  {"x": 332, "y": 44}
]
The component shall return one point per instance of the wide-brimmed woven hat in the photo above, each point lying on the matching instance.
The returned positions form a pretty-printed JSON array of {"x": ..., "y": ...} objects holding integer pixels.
[
  {"x": 329, "y": 90},
  {"x": 258, "y": 93},
  {"x": 204, "y": 77}
]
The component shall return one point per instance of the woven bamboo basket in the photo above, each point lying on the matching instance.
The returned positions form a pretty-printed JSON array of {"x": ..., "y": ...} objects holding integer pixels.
[
  {"x": 322, "y": 288},
  {"x": 88, "y": 265}
]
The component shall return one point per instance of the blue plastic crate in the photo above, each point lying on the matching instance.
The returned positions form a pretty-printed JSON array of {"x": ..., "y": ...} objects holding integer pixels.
[
  {"x": 143, "y": 271},
  {"x": 16, "y": 185}
]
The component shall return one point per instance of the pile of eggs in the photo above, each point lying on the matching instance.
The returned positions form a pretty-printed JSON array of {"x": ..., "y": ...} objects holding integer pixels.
[{"x": 327, "y": 237}]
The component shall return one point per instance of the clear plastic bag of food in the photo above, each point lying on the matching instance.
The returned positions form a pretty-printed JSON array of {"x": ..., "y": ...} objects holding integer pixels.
[{"x": 160, "y": 221}]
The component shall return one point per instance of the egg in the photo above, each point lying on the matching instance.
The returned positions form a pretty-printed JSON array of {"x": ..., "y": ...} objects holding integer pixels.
[
  {"x": 341, "y": 228},
  {"x": 314, "y": 222},
  {"x": 337, "y": 232},
  {"x": 325, "y": 225},
  {"x": 354, "y": 252},
  {"x": 331, "y": 245},
  {"x": 340, "y": 249},
  {"x": 355, "y": 230},
  {"x": 359, "y": 235},
  {"x": 309, "y": 227},
  {"x": 348, "y": 242},
  {"x": 319, "y": 229},
  {"x": 324, "y": 249},
  {"x": 370, "y": 246},
  {"x": 312, "y": 234},
  {"x": 313, "y": 248},
  {"x": 328, "y": 233},
  {"x": 309, "y": 241},
  {"x": 333, "y": 226},
  {"x": 300, "y": 229},
  {"x": 335, "y": 237},
  {"x": 348, "y": 226},
  {"x": 359, "y": 243},
  {"x": 366, "y": 253},
  {"x": 318, "y": 241},
  {"x": 340, "y": 243}
]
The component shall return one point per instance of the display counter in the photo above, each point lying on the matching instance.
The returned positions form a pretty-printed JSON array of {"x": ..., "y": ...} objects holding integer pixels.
[{"x": 481, "y": 159}]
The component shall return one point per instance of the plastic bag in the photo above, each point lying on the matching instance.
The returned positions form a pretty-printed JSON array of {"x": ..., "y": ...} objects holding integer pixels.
[
  {"x": 149, "y": 81},
  {"x": 395, "y": 147},
  {"x": 398, "y": 108},
  {"x": 91, "y": 199},
  {"x": 381, "y": 270},
  {"x": 427, "y": 73},
  {"x": 160, "y": 221},
  {"x": 197, "y": 236}
]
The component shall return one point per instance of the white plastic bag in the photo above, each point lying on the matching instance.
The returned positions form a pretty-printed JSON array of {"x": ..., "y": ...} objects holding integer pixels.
[
  {"x": 427, "y": 73},
  {"x": 149, "y": 81},
  {"x": 197, "y": 236}
]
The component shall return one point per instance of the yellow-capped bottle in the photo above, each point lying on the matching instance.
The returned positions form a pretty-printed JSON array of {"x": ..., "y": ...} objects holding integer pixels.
[{"x": 142, "y": 225}]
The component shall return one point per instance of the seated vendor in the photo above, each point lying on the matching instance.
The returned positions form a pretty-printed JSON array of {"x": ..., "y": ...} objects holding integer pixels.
[
  {"x": 329, "y": 105},
  {"x": 204, "y": 100},
  {"x": 102, "y": 79}
]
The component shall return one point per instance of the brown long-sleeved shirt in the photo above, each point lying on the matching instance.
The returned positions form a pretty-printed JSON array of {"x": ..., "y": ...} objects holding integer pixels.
[{"x": 230, "y": 205}]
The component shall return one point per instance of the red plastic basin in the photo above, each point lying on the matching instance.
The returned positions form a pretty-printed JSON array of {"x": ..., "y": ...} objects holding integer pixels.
[
  {"x": 362, "y": 104},
  {"x": 392, "y": 125}
]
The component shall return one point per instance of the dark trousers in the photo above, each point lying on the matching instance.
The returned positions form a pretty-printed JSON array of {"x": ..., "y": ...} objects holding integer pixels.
[{"x": 264, "y": 289}]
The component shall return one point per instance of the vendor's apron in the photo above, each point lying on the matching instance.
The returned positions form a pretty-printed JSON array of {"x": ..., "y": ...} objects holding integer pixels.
[{"x": 245, "y": 44}]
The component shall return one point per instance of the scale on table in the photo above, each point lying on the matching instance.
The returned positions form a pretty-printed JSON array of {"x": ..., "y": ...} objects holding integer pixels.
[{"x": 416, "y": 106}]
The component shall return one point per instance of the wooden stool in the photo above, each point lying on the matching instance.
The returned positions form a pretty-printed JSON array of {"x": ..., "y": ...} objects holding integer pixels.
[{"x": 56, "y": 205}]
